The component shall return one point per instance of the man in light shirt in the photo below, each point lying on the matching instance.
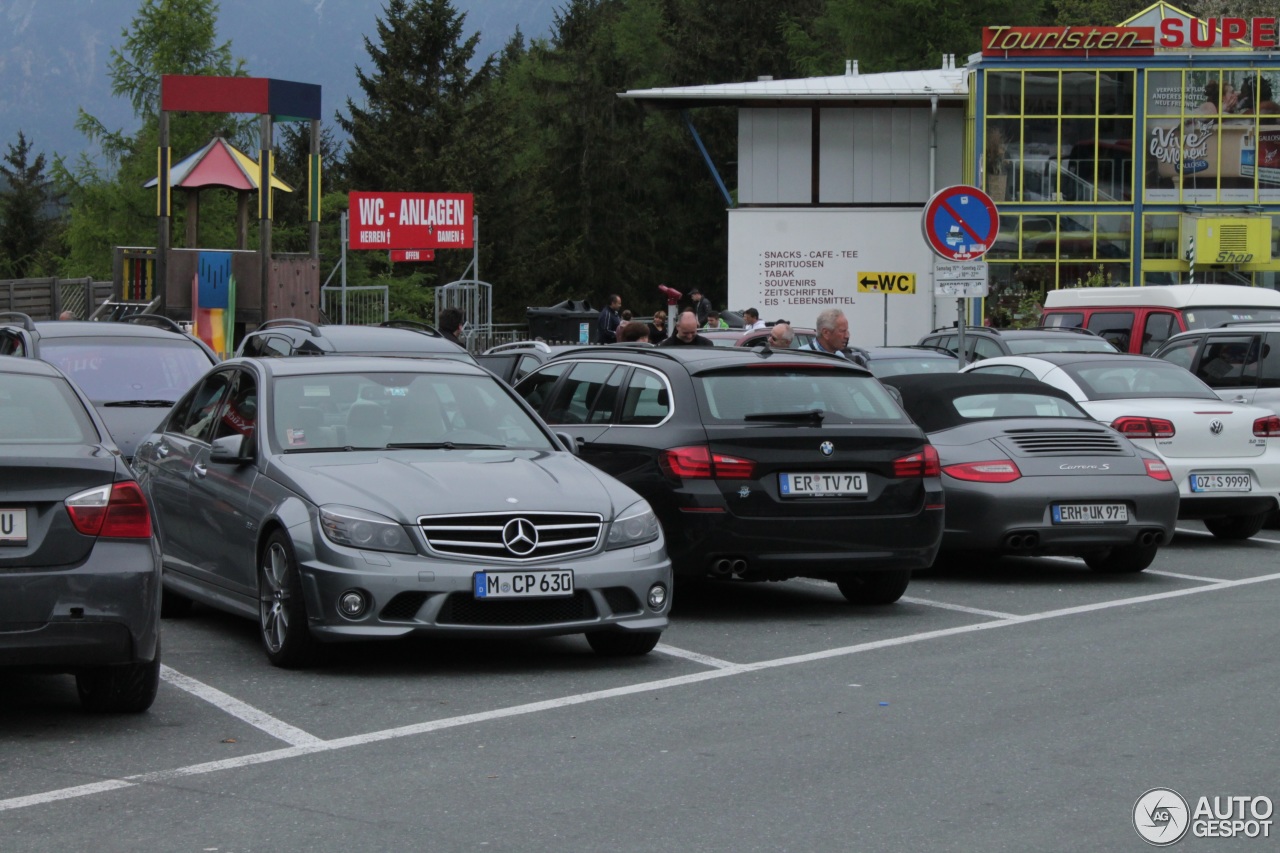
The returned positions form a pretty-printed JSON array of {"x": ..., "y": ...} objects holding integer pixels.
[{"x": 751, "y": 319}]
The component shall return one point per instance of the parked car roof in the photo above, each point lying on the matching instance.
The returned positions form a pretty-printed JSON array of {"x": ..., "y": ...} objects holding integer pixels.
[{"x": 928, "y": 397}]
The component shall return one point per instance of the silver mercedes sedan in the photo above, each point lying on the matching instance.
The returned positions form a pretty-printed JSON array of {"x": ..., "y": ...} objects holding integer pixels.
[{"x": 348, "y": 498}]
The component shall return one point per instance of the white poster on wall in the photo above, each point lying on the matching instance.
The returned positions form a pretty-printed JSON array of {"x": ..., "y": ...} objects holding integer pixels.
[{"x": 790, "y": 263}]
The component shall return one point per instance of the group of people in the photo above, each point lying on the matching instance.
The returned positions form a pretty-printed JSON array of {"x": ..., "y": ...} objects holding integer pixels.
[{"x": 618, "y": 326}]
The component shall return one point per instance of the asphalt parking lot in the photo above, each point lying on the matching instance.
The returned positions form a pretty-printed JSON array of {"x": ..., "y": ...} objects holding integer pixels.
[{"x": 1018, "y": 705}]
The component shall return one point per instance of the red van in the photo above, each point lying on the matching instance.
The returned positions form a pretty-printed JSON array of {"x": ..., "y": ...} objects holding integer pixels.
[{"x": 1140, "y": 319}]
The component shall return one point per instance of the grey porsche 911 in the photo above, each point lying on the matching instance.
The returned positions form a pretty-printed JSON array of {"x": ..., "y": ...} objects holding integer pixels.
[{"x": 1027, "y": 472}]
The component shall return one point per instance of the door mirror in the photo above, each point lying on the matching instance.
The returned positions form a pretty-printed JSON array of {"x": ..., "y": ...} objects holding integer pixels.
[
  {"x": 570, "y": 443},
  {"x": 232, "y": 450}
]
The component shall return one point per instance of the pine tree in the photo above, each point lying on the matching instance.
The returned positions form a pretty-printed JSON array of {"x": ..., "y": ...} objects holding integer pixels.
[{"x": 27, "y": 228}]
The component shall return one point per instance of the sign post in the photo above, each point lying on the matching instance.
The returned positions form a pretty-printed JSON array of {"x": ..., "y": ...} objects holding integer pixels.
[
  {"x": 886, "y": 283},
  {"x": 960, "y": 225}
]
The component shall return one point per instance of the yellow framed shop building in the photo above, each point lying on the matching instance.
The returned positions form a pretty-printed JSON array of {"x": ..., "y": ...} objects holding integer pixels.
[{"x": 1142, "y": 153}]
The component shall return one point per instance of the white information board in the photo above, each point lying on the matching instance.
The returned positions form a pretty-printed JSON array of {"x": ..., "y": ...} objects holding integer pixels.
[{"x": 790, "y": 263}]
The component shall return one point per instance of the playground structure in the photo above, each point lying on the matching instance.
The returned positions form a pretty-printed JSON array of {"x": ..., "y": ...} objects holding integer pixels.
[{"x": 251, "y": 286}]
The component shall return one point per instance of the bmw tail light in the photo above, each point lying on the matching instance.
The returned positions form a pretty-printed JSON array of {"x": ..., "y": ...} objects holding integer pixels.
[
  {"x": 699, "y": 463},
  {"x": 115, "y": 512},
  {"x": 994, "y": 471},
  {"x": 1136, "y": 426},
  {"x": 1267, "y": 427},
  {"x": 922, "y": 464},
  {"x": 1157, "y": 469}
]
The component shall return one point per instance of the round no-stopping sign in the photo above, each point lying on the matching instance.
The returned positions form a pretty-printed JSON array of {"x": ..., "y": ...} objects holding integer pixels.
[{"x": 960, "y": 223}]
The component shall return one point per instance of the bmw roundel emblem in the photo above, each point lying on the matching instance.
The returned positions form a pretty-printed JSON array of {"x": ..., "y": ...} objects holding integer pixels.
[{"x": 827, "y": 448}]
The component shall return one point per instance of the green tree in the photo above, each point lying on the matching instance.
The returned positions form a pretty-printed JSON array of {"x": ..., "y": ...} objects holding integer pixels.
[
  {"x": 109, "y": 204},
  {"x": 905, "y": 35},
  {"x": 420, "y": 117},
  {"x": 1103, "y": 13},
  {"x": 28, "y": 230}
]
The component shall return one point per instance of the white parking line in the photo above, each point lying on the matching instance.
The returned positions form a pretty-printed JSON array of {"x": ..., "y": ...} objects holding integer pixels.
[
  {"x": 995, "y": 614},
  {"x": 1182, "y": 576},
  {"x": 693, "y": 656},
  {"x": 597, "y": 695},
  {"x": 1207, "y": 533},
  {"x": 241, "y": 710}
]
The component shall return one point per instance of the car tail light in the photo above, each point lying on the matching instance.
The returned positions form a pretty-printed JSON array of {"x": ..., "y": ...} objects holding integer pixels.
[
  {"x": 1267, "y": 427},
  {"x": 994, "y": 471},
  {"x": 1157, "y": 469},
  {"x": 699, "y": 463},
  {"x": 115, "y": 512},
  {"x": 922, "y": 464},
  {"x": 1135, "y": 426}
]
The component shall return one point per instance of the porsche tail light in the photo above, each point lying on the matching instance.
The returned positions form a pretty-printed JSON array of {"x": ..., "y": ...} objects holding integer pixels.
[
  {"x": 1136, "y": 426},
  {"x": 1157, "y": 469},
  {"x": 922, "y": 464},
  {"x": 994, "y": 471},
  {"x": 1268, "y": 427},
  {"x": 115, "y": 512},
  {"x": 699, "y": 463}
]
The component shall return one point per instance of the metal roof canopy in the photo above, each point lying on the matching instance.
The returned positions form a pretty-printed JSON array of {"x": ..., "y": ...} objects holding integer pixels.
[{"x": 947, "y": 83}]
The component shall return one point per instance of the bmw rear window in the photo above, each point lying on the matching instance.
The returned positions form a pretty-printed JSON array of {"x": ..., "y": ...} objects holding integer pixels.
[
  {"x": 755, "y": 394},
  {"x": 42, "y": 410}
]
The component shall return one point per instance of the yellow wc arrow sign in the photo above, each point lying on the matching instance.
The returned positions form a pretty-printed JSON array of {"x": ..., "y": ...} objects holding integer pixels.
[{"x": 886, "y": 282}]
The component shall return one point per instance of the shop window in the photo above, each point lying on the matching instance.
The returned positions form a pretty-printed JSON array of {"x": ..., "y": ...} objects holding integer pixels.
[
  {"x": 1079, "y": 93},
  {"x": 1073, "y": 144},
  {"x": 1207, "y": 132},
  {"x": 1004, "y": 93},
  {"x": 1040, "y": 93}
]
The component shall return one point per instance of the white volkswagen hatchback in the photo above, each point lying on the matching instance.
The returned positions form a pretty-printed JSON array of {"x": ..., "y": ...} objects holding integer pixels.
[{"x": 1221, "y": 455}]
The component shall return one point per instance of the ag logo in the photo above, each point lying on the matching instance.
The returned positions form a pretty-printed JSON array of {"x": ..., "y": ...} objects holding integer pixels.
[{"x": 1161, "y": 817}]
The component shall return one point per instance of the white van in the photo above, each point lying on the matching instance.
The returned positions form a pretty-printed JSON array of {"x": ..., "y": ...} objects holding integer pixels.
[{"x": 1140, "y": 319}]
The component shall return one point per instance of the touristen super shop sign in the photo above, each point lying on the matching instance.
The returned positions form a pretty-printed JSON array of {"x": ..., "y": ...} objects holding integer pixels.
[
  {"x": 1171, "y": 34},
  {"x": 411, "y": 220}
]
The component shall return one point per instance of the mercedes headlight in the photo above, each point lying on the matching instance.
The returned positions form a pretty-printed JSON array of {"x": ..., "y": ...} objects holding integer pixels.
[
  {"x": 635, "y": 525},
  {"x": 358, "y": 528}
]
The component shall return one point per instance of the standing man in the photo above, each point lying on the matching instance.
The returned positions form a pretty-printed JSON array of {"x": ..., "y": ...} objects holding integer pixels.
[
  {"x": 781, "y": 336},
  {"x": 833, "y": 334},
  {"x": 609, "y": 320},
  {"x": 751, "y": 319},
  {"x": 687, "y": 333},
  {"x": 701, "y": 306},
  {"x": 451, "y": 320}
]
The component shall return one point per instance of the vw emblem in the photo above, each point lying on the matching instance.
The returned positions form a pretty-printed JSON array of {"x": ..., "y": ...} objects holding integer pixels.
[
  {"x": 827, "y": 448},
  {"x": 520, "y": 536},
  {"x": 1215, "y": 427}
]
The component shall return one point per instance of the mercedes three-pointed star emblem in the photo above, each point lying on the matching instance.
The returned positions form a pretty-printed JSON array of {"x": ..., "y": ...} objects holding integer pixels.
[{"x": 520, "y": 536}]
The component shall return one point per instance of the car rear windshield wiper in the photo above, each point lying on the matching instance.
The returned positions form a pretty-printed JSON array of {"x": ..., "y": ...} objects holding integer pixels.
[
  {"x": 443, "y": 445},
  {"x": 815, "y": 415},
  {"x": 141, "y": 404}
]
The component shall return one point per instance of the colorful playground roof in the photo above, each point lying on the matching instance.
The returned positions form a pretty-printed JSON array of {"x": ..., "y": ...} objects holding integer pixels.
[{"x": 218, "y": 164}]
